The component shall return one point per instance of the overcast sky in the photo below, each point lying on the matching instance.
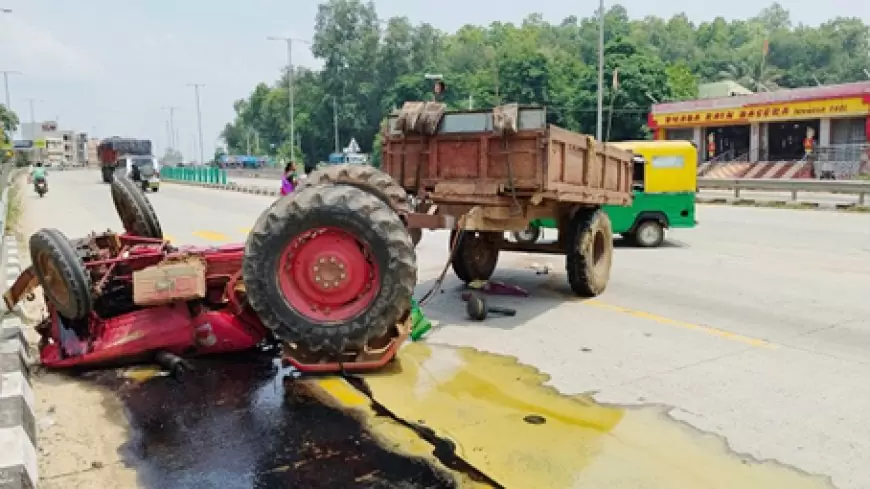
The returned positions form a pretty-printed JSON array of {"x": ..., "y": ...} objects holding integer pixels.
[{"x": 108, "y": 70}]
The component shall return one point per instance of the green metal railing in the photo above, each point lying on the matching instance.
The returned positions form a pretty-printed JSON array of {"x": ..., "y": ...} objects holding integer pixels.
[{"x": 198, "y": 174}]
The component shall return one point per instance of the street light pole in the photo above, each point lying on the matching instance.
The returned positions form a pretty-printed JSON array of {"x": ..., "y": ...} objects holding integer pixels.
[
  {"x": 599, "y": 126},
  {"x": 173, "y": 142},
  {"x": 290, "y": 88},
  {"x": 196, "y": 87},
  {"x": 6, "y": 74}
]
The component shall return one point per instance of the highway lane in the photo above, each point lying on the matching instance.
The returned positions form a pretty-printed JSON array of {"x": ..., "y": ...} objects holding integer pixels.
[{"x": 752, "y": 327}]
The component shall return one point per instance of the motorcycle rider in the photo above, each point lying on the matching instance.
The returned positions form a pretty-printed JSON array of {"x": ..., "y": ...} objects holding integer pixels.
[{"x": 38, "y": 174}]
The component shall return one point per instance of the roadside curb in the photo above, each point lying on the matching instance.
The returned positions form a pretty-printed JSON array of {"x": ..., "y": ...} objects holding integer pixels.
[
  {"x": 18, "y": 456},
  {"x": 700, "y": 200}
]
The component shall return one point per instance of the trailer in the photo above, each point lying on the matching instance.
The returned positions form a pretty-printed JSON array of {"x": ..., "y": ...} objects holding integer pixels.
[{"x": 484, "y": 173}]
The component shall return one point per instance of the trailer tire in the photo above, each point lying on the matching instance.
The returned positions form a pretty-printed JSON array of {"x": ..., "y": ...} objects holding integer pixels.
[
  {"x": 475, "y": 256},
  {"x": 136, "y": 213},
  {"x": 589, "y": 254},
  {"x": 289, "y": 271},
  {"x": 62, "y": 273}
]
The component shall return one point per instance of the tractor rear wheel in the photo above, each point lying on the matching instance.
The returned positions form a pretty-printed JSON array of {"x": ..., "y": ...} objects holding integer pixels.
[
  {"x": 134, "y": 209},
  {"x": 369, "y": 179},
  {"x": 329, "y": 267},
  {"x": 62, "y": 273},
  {"x": 476, "y": 255},
  {"x": 589, "y": 253}
]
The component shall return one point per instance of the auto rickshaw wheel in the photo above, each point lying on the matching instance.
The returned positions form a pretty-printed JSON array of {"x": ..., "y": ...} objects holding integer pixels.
[
  {"x": 648, "y": 234},
  {"x": 62, "y": 273},
  {"x": 329, "y": 267},
  {"x": 529, "y": 236},
  {"x": 476, "y": 254},
  {"x": 589, "y": 253},
  {"x": 136, "y": 213}
]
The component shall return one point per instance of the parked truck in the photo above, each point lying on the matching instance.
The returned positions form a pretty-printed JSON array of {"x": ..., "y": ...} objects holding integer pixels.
[
  {"x": 123, "y": 155},
  {"x": 483, "y": 173}
]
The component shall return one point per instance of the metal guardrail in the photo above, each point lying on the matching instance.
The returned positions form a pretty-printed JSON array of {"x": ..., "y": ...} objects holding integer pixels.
[{"x": 854, "y": 187}]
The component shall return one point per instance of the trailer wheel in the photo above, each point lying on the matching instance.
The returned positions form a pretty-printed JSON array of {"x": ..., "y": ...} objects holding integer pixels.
[
  {"x": 590, "y": 252},
  {"x": 134, "y": 209},
  {"x": 648, "y": 234},
  {"x": 62, "y": 273},
  {"x": 329, "y": 267},
  {"x": 476, "y": 255}
]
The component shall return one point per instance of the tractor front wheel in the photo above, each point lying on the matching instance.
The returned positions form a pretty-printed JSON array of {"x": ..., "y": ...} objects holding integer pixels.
[
  {"x": 62, "y": 273},
  {"x": 134, "y": 209},
  {"x": 329, "y": 267}
]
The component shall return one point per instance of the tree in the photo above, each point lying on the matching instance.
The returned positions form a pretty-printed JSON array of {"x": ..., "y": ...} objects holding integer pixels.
[
  {"x": 371, "y": 66},
  {"x": 172, "y": 157},
  {"x": 8, "y": 123}
]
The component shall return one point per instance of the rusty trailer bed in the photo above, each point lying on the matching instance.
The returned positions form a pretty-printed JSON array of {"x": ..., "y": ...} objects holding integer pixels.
[{"x": 468, "y": 162}]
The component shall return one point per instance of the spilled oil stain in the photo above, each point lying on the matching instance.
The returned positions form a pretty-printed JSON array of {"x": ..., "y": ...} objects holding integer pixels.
[{"x": 506, "y": 424}]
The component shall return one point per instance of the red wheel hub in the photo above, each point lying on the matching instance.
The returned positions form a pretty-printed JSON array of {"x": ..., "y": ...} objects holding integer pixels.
[{"x": 328, "y": 275}]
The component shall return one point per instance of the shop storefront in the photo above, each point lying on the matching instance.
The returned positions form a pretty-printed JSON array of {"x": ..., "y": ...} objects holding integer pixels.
[{"x": 771, "y": 126}]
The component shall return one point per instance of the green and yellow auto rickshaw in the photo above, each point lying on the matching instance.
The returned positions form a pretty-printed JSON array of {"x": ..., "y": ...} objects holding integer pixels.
[{"x": 665, "y": 182}]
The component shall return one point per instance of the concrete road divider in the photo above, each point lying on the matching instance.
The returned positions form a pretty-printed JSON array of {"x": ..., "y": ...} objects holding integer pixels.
[{"x": 854, "y": 187}]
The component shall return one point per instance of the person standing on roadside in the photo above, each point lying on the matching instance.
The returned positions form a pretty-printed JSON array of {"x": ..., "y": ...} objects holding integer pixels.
[{"x": 289, "y": 180}]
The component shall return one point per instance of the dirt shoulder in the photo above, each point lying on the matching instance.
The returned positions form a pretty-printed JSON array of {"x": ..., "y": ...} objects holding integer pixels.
[{"x": 80, "y": 425}]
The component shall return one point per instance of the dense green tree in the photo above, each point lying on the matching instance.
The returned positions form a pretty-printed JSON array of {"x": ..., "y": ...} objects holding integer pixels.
[{"x": 371, "y": 66}]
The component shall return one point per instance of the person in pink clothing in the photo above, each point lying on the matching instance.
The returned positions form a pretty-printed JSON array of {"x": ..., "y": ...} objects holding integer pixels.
[{"x": 289, "y": 180}]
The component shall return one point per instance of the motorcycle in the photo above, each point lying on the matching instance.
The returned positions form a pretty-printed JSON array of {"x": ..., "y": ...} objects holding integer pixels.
[{"x": 41, "y": 187}]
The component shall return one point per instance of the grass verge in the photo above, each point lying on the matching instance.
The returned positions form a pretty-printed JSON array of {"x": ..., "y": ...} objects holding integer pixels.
[{"x": 15, "y": 209}]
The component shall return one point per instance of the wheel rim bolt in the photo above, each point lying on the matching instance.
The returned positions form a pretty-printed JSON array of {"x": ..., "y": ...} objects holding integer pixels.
[
  {"x": 317, "y": 278},
  {"x": 331, "y": 259}
]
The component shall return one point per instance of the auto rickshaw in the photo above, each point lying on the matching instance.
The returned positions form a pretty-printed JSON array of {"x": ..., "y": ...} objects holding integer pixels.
[{"x": 665, "y": 182}]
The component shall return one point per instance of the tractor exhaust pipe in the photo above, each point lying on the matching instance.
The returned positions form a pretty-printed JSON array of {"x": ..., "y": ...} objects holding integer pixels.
[{"x": 174, "y": 364}]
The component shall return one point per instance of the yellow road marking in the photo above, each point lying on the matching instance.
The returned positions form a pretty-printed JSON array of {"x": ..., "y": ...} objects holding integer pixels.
[
  {"x": 521, "y": 433},
  {"x": 245, "y": 231},
  {"x": 682, "y": 324},
  {"x": 211, "y": 236},
  {"x": 169, "y": 237}
]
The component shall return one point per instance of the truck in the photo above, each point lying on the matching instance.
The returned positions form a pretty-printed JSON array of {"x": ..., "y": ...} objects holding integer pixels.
[
  {"x": 484, "y": 173},
  {"x": 123, "y": 155}
]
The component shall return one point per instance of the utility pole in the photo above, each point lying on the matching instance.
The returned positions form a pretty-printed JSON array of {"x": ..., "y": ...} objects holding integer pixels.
[
  {"x": 6, "y": 74},
  {"x": 290, "y": 88},
  {"x": 196, "y": 87},
  {"x": 599, "y": 126},
  {"x": 335, "y": 121},
  {"x": 173, "y": 140}
]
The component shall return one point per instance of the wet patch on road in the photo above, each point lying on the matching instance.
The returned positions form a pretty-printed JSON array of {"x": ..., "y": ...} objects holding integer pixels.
[
  {"x": 233, "y": 424},
  {"x": 507, "y": 424}
]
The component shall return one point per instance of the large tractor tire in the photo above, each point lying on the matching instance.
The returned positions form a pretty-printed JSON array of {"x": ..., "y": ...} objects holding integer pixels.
[
  {"x": 476, "y": 255},
  {"x": 134, "y": 209},
  {"x": 369, "y": 179},
  {"x": 62, "y": 273},
  {"x": 329, "y": 267},
  {"x": 589, "y": 254}
]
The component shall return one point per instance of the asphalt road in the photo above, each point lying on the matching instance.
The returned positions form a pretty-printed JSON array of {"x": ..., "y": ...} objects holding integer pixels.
[{"x": 753, "y": 327}]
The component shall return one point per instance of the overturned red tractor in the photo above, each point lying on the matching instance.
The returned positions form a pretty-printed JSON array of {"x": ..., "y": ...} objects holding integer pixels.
[{"x": 327, "y": 273}]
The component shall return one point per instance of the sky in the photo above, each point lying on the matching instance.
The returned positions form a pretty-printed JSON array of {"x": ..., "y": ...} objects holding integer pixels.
[{"x": 107, "y": 70}]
